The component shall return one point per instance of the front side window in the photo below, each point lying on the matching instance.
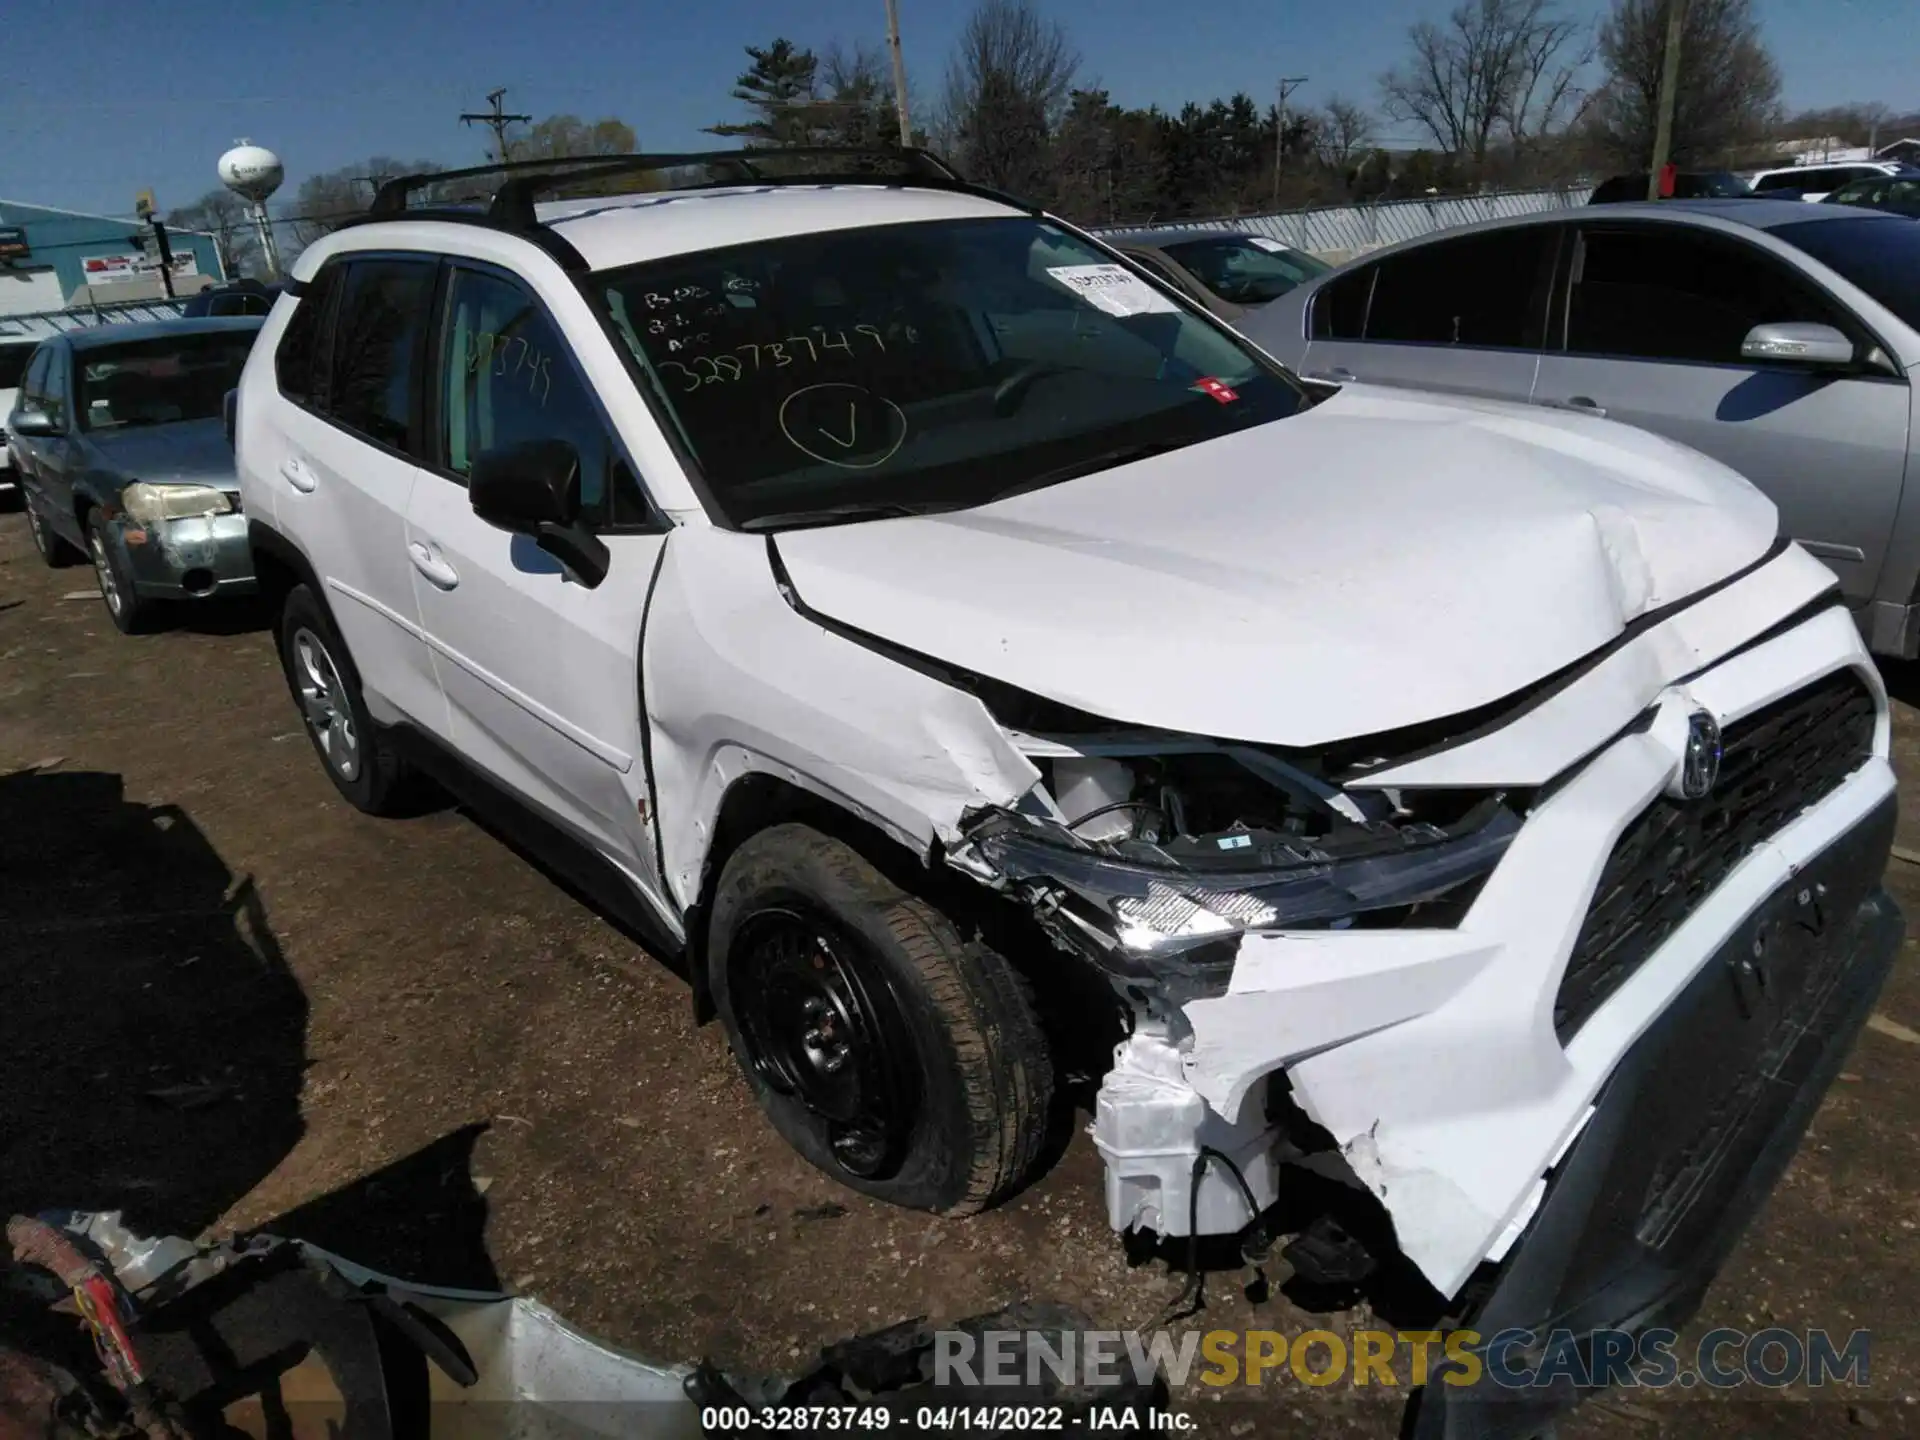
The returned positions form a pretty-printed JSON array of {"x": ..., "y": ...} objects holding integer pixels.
[
  {"x": 55, "y": 387},
  {"x": 507, "y": 378},
  {"x": 33, "y": 385},
  {"x": 159, "y": 382},
  {"x": 1679, "y": 294},
  {"x": 378, "y": 331},
  {"x": 1485, "y": 290},
  {"x": 1881, "y": 255},
  {"x": 924, "y": 366},
  {"x": 1340, "y": 306},
  {"x": 1782, "y": 180},
  {"x": 1248, "y": 270}
]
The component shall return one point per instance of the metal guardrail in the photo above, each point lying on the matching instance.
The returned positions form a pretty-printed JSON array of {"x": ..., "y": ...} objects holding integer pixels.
[
  {"x": 41, "y": 323},
  {"x": 1361, "y": 227}
]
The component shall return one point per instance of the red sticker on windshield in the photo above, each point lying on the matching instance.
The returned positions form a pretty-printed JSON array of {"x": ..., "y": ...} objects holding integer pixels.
[{"x": 1218, "y": 389}]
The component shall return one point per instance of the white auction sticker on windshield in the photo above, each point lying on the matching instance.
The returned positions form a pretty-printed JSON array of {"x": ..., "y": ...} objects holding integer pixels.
[
  {"x": 1273, "y": 247},
  {"x": 1114, "y": 289}
]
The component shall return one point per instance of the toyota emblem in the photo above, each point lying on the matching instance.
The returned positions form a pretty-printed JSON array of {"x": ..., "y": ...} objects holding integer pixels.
[{"x": 1700, "y": 765}]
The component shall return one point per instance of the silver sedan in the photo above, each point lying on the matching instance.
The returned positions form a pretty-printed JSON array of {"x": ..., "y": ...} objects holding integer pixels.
[
  {"x": 123, "y": 459},
  {"x": 1777, "y": 337}
]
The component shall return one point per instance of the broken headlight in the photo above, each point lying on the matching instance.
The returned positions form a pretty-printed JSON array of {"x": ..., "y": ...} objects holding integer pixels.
[{"x": 1159, "y": 855}]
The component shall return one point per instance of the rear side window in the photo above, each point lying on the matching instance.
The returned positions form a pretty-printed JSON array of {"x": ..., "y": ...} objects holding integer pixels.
[
  {"x": 300, "y": 363},
  {"x": 1481, "y": 290},
  {"x": 379, "y": 333},
  {"x": 1340, "y": 306},
  {"x": 1678, "y": 294}
]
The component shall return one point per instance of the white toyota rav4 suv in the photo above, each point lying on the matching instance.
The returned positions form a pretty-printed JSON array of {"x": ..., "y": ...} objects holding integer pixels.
[{"x": 908, "y": 611}]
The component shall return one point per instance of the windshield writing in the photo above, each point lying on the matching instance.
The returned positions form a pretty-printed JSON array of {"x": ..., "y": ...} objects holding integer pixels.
[{"x": 922, "y": 366}]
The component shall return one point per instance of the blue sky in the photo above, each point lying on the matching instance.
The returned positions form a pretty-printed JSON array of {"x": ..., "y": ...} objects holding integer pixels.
[{"x": 102, "y": 98}]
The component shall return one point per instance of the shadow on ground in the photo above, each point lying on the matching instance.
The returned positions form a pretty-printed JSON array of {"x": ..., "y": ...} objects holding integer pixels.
[{"x": 152, "y": 1040}]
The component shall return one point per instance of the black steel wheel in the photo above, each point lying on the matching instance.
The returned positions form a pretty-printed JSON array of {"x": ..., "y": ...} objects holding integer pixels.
[
  {"x": 899, "y": 1058},
  {"x": 821, "y": 1023}
]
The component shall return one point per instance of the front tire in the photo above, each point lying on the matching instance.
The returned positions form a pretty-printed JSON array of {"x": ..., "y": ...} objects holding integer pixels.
[
  {"x": 359, "y": 760},
  {"x": 131, "y": 613},
  {"x": 899, "y": 1058}
]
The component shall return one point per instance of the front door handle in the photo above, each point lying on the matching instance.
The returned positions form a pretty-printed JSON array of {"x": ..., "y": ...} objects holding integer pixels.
[
  {"x": 1338, "y": 375},
  {"x": 430, "y": 563},
  {"x": 1581, "y": 404},
  {"x": 295, "y": 472}
]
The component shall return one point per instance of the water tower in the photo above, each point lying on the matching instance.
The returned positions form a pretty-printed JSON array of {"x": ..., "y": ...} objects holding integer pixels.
[{"x": 254, "y": 173}]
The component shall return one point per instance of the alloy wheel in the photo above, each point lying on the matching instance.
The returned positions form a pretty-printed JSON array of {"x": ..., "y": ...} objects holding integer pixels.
[
  {"x": 323, "y": 702},
  {"x": 103, "y": 572}
]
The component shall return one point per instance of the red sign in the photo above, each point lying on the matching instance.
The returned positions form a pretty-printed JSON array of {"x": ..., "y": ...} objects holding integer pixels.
[{"x": 1218, "y": 389}]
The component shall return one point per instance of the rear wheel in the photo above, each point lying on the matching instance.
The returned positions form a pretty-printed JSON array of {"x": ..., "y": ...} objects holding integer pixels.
[
  {"x": 358, "y": 758},
  {"x": 54, "y": 551},
  {"x": 897, "y": 1057}
]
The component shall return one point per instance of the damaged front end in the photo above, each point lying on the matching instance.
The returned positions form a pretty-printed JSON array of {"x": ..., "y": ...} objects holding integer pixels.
[{"x": 1152, "y": 856}]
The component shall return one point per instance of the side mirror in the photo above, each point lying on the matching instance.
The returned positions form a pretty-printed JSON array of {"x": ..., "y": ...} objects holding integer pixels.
[
  {"x": 523, "y": 487},
  {"x": 32, "y": 421},
  {"x": 1798, "y": 343},
  {"x": 534, "y": 489}
]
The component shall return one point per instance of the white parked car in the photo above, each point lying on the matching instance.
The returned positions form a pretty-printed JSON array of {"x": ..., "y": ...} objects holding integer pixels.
[
  {"x": 15, "y": 352},
  {"x": 909, "y": 613},
  {"x": 1816, "y": 182}
]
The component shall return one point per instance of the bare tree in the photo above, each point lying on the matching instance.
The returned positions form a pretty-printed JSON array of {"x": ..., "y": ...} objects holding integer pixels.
[
  {"x": 221, "y": 214},
  {"x": 325, "y": 199},
  {"x": 1007, "y": 89},
  {"x": 1496, "y": 69},
  {"x": 560, "y": 137},
  {"x": 1729, "y": 92},
  {"x": 1341, "y": 130}
]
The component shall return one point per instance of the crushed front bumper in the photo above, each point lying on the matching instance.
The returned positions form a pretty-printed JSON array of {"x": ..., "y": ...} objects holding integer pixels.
[
  {"x": 190, "y": 559},
  {"x": 1441, "y": 1062},
  {"x": 1692, "y": 1131}
]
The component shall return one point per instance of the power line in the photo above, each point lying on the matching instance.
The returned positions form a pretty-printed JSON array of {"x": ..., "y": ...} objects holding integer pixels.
[{"x": 497, "y": 121}]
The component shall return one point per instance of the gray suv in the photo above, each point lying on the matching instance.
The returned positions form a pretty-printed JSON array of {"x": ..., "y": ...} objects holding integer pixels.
[{"x": 1777, "y": 337}]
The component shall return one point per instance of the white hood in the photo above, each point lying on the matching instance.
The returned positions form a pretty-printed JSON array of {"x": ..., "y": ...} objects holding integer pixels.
[{"x": 1386, "y": 558}]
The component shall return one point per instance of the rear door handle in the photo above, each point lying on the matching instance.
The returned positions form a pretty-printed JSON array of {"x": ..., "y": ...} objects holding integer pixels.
[
  {"x": 1338, "y": 375},
  {"x": 430, "y": 563},
  {"x": 1582, "y": 405},
  {"x": 296, "y": 474}
]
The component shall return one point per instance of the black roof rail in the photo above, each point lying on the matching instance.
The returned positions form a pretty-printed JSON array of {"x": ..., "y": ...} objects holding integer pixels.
[{"x": 510, "y": 204}]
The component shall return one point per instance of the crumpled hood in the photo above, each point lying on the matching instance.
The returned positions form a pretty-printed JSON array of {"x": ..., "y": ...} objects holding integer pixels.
[
  {"x": 1384, "y": 559},
  {"x": 188, "y": 450}
]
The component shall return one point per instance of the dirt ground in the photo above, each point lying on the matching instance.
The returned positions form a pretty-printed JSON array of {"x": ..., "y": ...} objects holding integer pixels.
[{"x": 231, "y": 999}]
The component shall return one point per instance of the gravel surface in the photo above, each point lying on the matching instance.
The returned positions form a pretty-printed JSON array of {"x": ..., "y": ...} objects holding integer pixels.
[{"x": 234, "y": 1000}]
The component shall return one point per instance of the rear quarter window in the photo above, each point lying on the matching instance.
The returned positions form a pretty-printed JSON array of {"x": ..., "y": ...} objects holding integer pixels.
[{"x": 1340, "y": 306}]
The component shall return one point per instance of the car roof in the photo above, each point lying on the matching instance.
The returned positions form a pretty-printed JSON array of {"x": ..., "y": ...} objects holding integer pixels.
[
  {"x": 1170, "y": 235},
  {"x": 102, "y": 337},
  {"x": 628, "y": 229}
]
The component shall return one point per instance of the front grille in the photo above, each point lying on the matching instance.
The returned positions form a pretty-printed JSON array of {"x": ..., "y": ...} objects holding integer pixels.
[{"x": 1774, "y": 764}]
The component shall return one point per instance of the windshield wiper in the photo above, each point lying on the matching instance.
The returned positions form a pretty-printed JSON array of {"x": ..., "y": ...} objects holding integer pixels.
[
  {"x": 853, "y": 510},
  {"x": 1105, "y": 460}
]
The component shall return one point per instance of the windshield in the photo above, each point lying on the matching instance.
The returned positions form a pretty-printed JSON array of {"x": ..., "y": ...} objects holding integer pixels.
[
  {"x": 156, "y": 382},
  {"x": 1879, "y": 254},
  {"x": 909, "y": 368},
  {"x": 1246, "y": 269}
]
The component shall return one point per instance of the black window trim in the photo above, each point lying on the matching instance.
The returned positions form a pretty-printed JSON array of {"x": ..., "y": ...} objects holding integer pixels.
[
  {"x": 654, "y": 522},
  {"x": 346, "y": 261},
  {"x": 1551, "y": 264},
  {"x": 1573, "y": 257}
]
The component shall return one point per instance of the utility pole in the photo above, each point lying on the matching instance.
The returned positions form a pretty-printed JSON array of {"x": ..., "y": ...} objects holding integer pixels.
[
  {"x": 497, "y": 121},
  {"x": 899, "y": 73},
  {"x": 1287, "y": 86},
  {"x": 1669, "y": 86}
]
